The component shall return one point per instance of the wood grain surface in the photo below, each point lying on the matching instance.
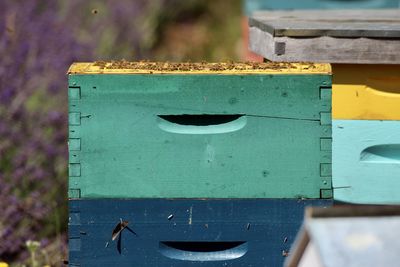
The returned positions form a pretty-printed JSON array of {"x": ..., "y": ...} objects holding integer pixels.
[{"x": 359, "y": 37}]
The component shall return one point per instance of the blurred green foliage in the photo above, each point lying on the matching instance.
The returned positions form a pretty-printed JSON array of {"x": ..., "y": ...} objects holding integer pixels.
[{"x": 191, "y": 30}]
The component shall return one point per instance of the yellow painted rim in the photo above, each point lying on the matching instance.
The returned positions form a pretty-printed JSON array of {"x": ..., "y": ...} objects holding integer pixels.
[{"x": 124, "y": 67}]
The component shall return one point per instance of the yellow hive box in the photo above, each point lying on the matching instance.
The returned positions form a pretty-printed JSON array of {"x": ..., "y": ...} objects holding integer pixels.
[{"x": 366, "y": 92}]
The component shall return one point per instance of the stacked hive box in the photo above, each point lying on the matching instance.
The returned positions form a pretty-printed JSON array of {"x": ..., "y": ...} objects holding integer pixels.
[
  {"x": 363, "y": 49},
  {"x": 211, "y": 164},
  {"x": 250, "y": 6},
  {"x": 366, "y": 112}
]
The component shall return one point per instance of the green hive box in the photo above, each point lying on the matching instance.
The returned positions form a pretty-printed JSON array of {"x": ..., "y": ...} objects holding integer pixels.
[{"x": 158, "y": 130}]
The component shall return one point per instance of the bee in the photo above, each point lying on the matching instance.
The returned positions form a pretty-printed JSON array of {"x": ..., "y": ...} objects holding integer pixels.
[
  {"x": 118, "y": 229},
  {"x": 285, "y": 253}
]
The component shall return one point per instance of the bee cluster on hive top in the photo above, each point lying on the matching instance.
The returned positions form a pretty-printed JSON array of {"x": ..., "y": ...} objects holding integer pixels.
[{"x": 146, "y": 67}]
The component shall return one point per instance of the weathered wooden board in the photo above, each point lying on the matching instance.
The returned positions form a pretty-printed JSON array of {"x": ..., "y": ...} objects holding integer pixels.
[
  {"x": 366, "y": 92},
  {"x": 327, "y": 36},
  {"x": 334, "y": 23},
  {"x": 366, "y": 161},
  {"x": 231, "y": 232},
  {"x": 186, "y": 136},
  {"x": 257, "y": 5}
]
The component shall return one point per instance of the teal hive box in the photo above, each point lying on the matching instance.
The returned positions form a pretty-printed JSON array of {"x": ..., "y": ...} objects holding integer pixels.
[
  {"x": 148, "y": 130},
  {"x": 366, "y": 156}
]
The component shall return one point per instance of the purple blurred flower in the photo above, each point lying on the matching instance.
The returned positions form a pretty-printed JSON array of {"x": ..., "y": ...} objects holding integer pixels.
[
  {"x": 38, "y": 41},
  {"x": 36, "y": 48}
]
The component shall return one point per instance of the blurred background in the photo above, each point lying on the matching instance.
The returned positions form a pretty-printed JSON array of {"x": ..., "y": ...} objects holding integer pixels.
[{"x": 38, "y": 41}]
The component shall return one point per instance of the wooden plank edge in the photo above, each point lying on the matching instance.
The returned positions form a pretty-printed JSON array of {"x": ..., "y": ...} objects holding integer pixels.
[{"x": 324, "y": 49}]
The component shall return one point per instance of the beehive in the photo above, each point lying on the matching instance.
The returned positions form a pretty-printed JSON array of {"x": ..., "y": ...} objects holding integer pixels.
[
  {"x": 182, "y": 232},
  {"x": 362, "y": 46},
  {"x": 211, "y": 164},
  {"x": 193, "y": 130},
  {"x": 366, "y": 112},
  {"x": 366, "y": 92}
]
